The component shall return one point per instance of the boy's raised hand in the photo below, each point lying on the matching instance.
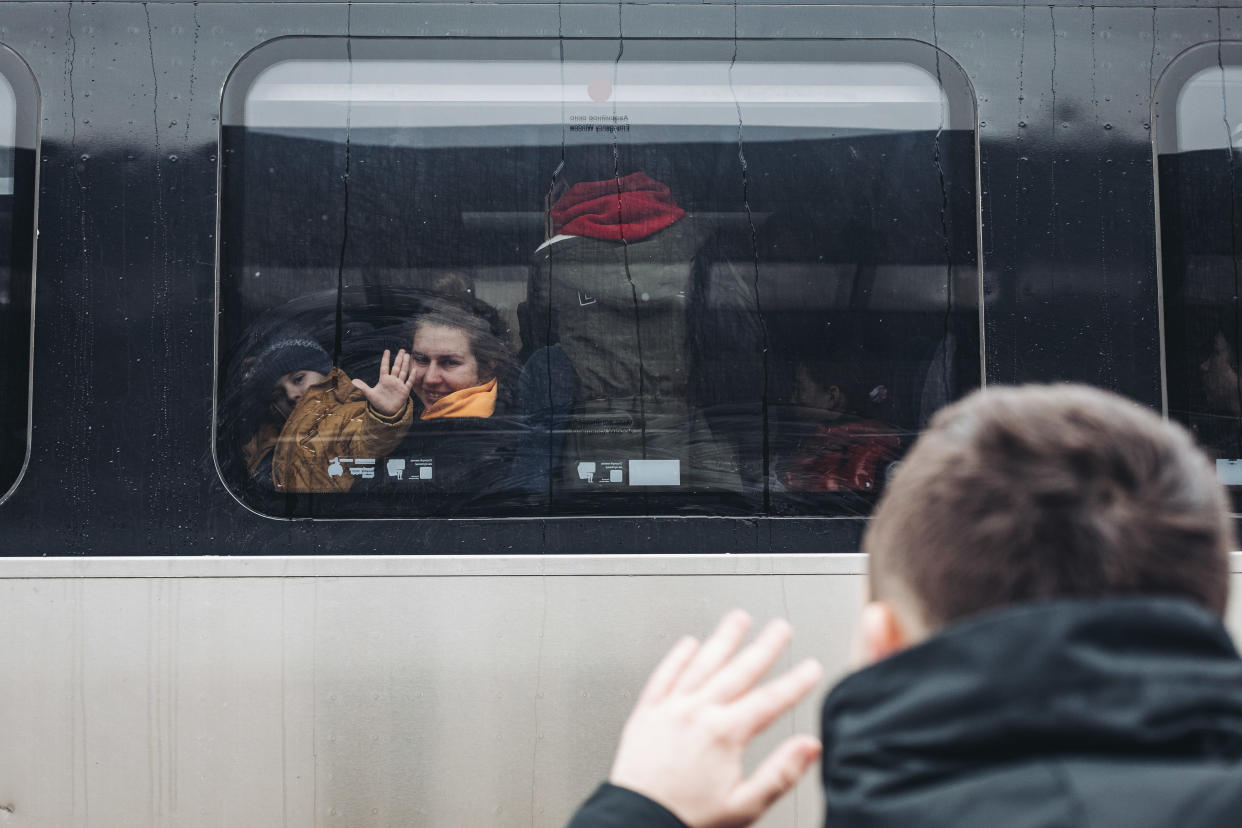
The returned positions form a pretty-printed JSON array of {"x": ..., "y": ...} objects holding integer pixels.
[
  {"x": 392, "y": 389},
  {"x": 683, "y": 744}
]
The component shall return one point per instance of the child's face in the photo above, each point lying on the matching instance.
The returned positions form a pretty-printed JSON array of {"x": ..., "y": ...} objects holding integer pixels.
[{"x": 290, "y": 388}]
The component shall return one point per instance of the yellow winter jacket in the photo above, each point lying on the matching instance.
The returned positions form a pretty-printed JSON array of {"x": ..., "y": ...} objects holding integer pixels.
[{"x": 330, "y": 429}]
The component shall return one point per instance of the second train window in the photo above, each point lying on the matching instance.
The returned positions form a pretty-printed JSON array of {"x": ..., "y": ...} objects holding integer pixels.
[
  {"x": 19, "y": 121},
  {"x": 658, "y": 277}
]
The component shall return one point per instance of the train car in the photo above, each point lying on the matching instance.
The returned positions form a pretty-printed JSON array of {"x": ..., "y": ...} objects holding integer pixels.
[{"x": 719, "y": 264}]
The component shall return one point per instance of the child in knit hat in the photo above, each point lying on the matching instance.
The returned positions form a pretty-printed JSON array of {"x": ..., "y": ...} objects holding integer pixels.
[{"x": 319, "y": 417}]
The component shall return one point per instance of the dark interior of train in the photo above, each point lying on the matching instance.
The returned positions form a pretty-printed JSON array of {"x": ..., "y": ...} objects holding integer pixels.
[{"x": 16, "y": 230}]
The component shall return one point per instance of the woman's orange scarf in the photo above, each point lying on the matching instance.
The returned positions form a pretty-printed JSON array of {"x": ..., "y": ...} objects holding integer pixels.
[{"x": 477, "y": 401}]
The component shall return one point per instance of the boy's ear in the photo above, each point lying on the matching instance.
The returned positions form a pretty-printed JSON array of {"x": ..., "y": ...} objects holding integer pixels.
[{"x": 882, "y": 632}]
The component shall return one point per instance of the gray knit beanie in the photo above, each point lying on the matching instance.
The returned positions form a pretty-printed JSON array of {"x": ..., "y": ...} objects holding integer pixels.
[{"x": 286, "y": 352}]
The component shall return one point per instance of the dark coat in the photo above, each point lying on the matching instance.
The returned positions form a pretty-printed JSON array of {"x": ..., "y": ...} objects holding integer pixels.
[
  {"x": 619, "y": 310},
  {"x": 463, "y": 466},
  {"x": 613, "y": 807},
  {"x": 446, "y": 466},
  {"x": 1118, "y": 712}
]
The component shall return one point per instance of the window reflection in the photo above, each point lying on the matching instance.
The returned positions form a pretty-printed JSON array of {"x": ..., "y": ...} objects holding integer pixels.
[{"x": 683, "y": 282}]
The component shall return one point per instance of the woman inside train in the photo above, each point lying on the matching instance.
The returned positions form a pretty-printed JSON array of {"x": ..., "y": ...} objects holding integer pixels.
[
  {"x": 461, "y": 445},
  {"x": 458, "y": 364}
]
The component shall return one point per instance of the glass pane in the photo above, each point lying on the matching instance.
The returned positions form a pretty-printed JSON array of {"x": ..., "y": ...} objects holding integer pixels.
[
  {"x": 18, "y": 121},
  {"x": 701, "y": 283},
  {"x": 1200, "y": 156}
]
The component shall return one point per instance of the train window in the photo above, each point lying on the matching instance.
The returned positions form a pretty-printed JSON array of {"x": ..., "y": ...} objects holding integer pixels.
[
  {"x": 650, "y": 277},
  {"x": 1198, "y": 119},
  {"x": 18, "y": 146}
]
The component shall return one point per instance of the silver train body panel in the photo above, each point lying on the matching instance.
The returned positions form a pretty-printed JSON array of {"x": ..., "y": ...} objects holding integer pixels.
[{"x": 364, "y": 691}]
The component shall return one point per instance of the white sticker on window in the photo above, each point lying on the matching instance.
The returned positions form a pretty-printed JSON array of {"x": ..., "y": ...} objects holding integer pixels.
[
  {"x": 1229, "y": 472},
  {"x": 655, "y": 472}
]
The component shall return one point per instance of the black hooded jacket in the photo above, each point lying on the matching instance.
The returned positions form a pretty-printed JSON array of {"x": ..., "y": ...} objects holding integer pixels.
[{"x": 1116, "y": 713}]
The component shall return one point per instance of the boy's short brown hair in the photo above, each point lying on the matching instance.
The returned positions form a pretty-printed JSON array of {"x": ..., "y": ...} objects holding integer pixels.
[{"x": 1040, "y": 492}]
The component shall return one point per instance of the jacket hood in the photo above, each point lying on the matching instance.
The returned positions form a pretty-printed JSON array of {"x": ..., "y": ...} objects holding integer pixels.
[{"x": 1144, "y": 679}]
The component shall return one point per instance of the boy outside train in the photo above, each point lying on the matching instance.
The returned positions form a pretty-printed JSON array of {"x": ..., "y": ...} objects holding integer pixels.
[{"x": 1049, "y": 568}]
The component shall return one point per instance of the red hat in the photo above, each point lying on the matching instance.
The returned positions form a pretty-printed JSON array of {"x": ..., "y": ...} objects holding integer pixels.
[{"x": 616, "y": 209}]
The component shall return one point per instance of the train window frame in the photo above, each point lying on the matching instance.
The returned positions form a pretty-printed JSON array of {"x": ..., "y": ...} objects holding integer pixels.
[
  {"x": 26, "y": 135},
  {"x": 1173, "y": 81},
  {"x": 959, "y": 105}
]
